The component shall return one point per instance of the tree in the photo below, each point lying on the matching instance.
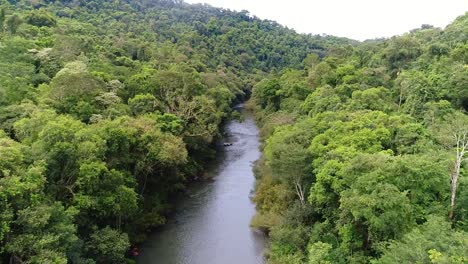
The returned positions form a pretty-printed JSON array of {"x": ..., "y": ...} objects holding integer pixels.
[
  {"x": 319, "y": 253},
  {"x": 2, "y": 18},
  {"x": 108, "y": 246},
  {"x": 322, "y": 99},
  {"x": 71, "y": 85},
  {"x": 453, "y": 133},
  {"x": 291, "y": 164},
  {"x": 177, "y": 86},
  {"x": 266, "y": 91},
  {"x": 21, "y": 184},
  {"x": 144, "y": 103},
  {"x": 378, "y": 212},
  {"x": 372, "y": 99},
  {"x": 287, "y": 154},
  {"x": 401, "y": 51},
  {"x": 47, "y": 235},
  {"x": 13, "y": 22},
  {"x": 311, "y": 61},
  {"x": 432, "y": 242},
  {"x": 415, "y": 89},
  {"x": 85, "y": 157},
  {"x": 40, "y": 18},
  {"x": 104, "y": 192},
  {"x": 63, "y": 143}
]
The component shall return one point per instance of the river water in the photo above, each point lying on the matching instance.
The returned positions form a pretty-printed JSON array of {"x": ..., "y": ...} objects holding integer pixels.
[{"x": 212, "y": 224}]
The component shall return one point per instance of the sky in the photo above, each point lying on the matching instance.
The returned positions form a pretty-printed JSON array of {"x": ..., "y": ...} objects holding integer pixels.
[{"x": 356, "y": 19}]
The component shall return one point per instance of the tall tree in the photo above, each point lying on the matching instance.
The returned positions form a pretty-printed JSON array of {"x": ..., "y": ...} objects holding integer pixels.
[
  {"x": 454, "y": 135},
  {"x": 2, "y": 18},
  {"x": 13, "y": 22}
]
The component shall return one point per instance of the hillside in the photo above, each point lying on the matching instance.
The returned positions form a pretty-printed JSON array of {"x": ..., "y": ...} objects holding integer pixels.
[
  {"x": 363, "y": 160},
  {"x": 110, "y": 109}
]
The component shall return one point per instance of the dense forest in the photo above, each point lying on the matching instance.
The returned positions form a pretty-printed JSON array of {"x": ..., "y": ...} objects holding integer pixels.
[
  {"x": 110, "y": 109},
  {"x": 365, "y": 152}
]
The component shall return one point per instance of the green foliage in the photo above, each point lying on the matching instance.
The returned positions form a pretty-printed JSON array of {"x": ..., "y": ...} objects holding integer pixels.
[
  {"x": 108, "y": 245},
  {"x": 12, "y": 23},
  {"x": 73, "y": 86},
  {"x": 143, "y": 103},
  {"x": 321, "y": 100},
  {"x": 105, "y": 193},
  {"x": 2, "y": 18},
  {"x": 48, "y": 234},
  {"x": 433, "y": 242},
  {"x": 110, "y": 108},
  {"x": 319, "y": 253},
  {"x": 109, "y": 116},
  {"x": 40, "y": 18},
  {"x": 367, "y": 129},
  {"x": 266, "y": 92}
]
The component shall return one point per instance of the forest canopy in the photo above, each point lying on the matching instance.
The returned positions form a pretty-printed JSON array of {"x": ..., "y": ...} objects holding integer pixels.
[
  {"x": 365, "y": 152},
  {"x": 109, "y": 109}
]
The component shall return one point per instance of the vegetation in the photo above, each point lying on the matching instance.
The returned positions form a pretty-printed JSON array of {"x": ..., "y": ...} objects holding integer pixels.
[
  {"x": 110, "y": 108},
  {"x": 365, "y": 152}
]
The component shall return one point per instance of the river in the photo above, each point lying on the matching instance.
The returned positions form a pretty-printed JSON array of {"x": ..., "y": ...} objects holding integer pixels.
[{"x": 212, "y": 224}]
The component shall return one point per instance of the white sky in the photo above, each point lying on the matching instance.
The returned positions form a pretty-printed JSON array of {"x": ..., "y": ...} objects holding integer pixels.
[{"x": 357, "y": 19}]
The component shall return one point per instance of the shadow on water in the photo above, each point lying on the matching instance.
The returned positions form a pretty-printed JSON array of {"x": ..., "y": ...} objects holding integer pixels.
[{"x": 212, "y": 223}]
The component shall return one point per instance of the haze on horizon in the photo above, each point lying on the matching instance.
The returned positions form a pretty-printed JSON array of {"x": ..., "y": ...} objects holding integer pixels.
[{"x": 356, "y": 19}]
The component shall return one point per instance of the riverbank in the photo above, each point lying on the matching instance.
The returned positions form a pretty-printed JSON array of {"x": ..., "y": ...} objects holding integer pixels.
[{"x": 212, "y": 224}]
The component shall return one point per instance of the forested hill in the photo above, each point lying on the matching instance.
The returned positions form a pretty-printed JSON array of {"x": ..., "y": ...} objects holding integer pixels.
[
  {"x": 365, "y": 159},
  {"x": 110, "y": 108}
]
